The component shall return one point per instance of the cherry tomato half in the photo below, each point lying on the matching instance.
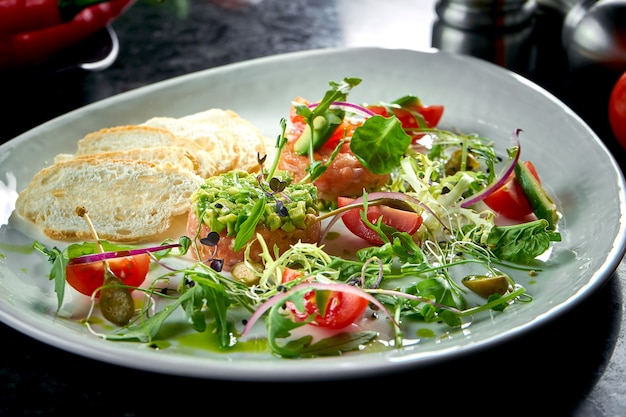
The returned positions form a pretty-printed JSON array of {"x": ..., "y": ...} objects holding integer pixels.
[
  {"x": 403, "y": 221},
  {"x": 87, "y": 278},
  {"x": 431, "y": 114},
  {"x": 298, "y": 123},
  {"x": 510, "y": 200},
  {"x": 346, "y": 128},
  {"x": 617, "y": 110},
  {"x": 342, "y": 309}
]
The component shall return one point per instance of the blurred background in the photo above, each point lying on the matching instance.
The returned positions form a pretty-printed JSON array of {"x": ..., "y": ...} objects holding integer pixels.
[{"x": 573, "y": 48}]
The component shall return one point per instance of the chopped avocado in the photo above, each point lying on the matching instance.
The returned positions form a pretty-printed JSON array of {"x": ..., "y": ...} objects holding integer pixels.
[{"x": 226, "y": 201}]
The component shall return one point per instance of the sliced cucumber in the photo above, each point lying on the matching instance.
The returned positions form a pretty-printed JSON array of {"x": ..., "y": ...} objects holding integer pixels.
[
  {"x": 543, "y": 206},
  {"x": 323, "y": 128}
]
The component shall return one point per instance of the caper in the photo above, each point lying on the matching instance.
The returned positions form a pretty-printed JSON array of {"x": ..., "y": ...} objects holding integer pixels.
[
  {"x": 247, "y": 273},
  {"x": 116, "y": 303}
]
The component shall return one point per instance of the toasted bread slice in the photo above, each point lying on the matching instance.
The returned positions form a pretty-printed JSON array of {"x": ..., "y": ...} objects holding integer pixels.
[
  {"x": 232, "y": 141},
  {"x": 134, "y": 180},
  {"x": 127, "y": 200},
  {"x": 121, "y": 138},
  {"x": 170, "y": 157},
  {"x": 131, "y": 137}
]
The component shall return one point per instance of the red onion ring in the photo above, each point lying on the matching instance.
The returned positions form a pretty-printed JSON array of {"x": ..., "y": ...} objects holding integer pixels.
[
  {"x": 98, "y": 257},
  {"x": 502, "y": 177},
  {"x": 355, "y": 108}
]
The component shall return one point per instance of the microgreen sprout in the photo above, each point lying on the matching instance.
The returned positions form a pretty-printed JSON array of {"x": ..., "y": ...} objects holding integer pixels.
[{"x": 211, "y": 240}]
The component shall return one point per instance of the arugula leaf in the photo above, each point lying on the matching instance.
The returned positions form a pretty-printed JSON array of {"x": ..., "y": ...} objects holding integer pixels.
[
  {"x": 380, "y": 143},
  {"x": 521, "y": 243},
  {"x": 87, "y": 248},
  {"x": 217, "y": 302},
  {"x": 193, "y": 307},
  {"x": 330, "y": 346},
  {"x": 57, "y": 272}
]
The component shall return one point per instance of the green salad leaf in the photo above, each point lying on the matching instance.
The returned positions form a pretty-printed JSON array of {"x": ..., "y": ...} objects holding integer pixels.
[{"x": 380, "y": 143}]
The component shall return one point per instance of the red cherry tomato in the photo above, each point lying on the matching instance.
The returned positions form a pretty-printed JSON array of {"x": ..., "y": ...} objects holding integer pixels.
[
  {"x": 88, "y": 277},
  {"x": 345, "y": 128},
  {"x": 617, "y": 110},
  {"x": 403, "y": 221},
  {"x": 342, "y": 309},
  {"x": 381, "y": 110},
  {"x": 431, "y": 115},
  {"x": 297, "y": 120},
  {"x": 510, "y": 200},
  {"x": 290, "y": 274},
  {"x": 298, "y": 123}
]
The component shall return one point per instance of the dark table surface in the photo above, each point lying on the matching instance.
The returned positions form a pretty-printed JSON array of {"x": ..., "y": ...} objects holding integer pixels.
[{"x": 575, "y": 365}]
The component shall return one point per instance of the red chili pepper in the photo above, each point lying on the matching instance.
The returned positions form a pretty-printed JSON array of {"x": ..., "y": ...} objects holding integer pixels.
[{"x": 32, "y": 32}]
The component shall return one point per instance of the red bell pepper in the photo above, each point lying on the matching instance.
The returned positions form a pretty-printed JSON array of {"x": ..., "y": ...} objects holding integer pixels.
[{"x": 31, "y": 32}]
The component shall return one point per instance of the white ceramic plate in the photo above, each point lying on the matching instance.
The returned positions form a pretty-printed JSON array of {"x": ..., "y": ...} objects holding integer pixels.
[{"x": 478, "y": 97}]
